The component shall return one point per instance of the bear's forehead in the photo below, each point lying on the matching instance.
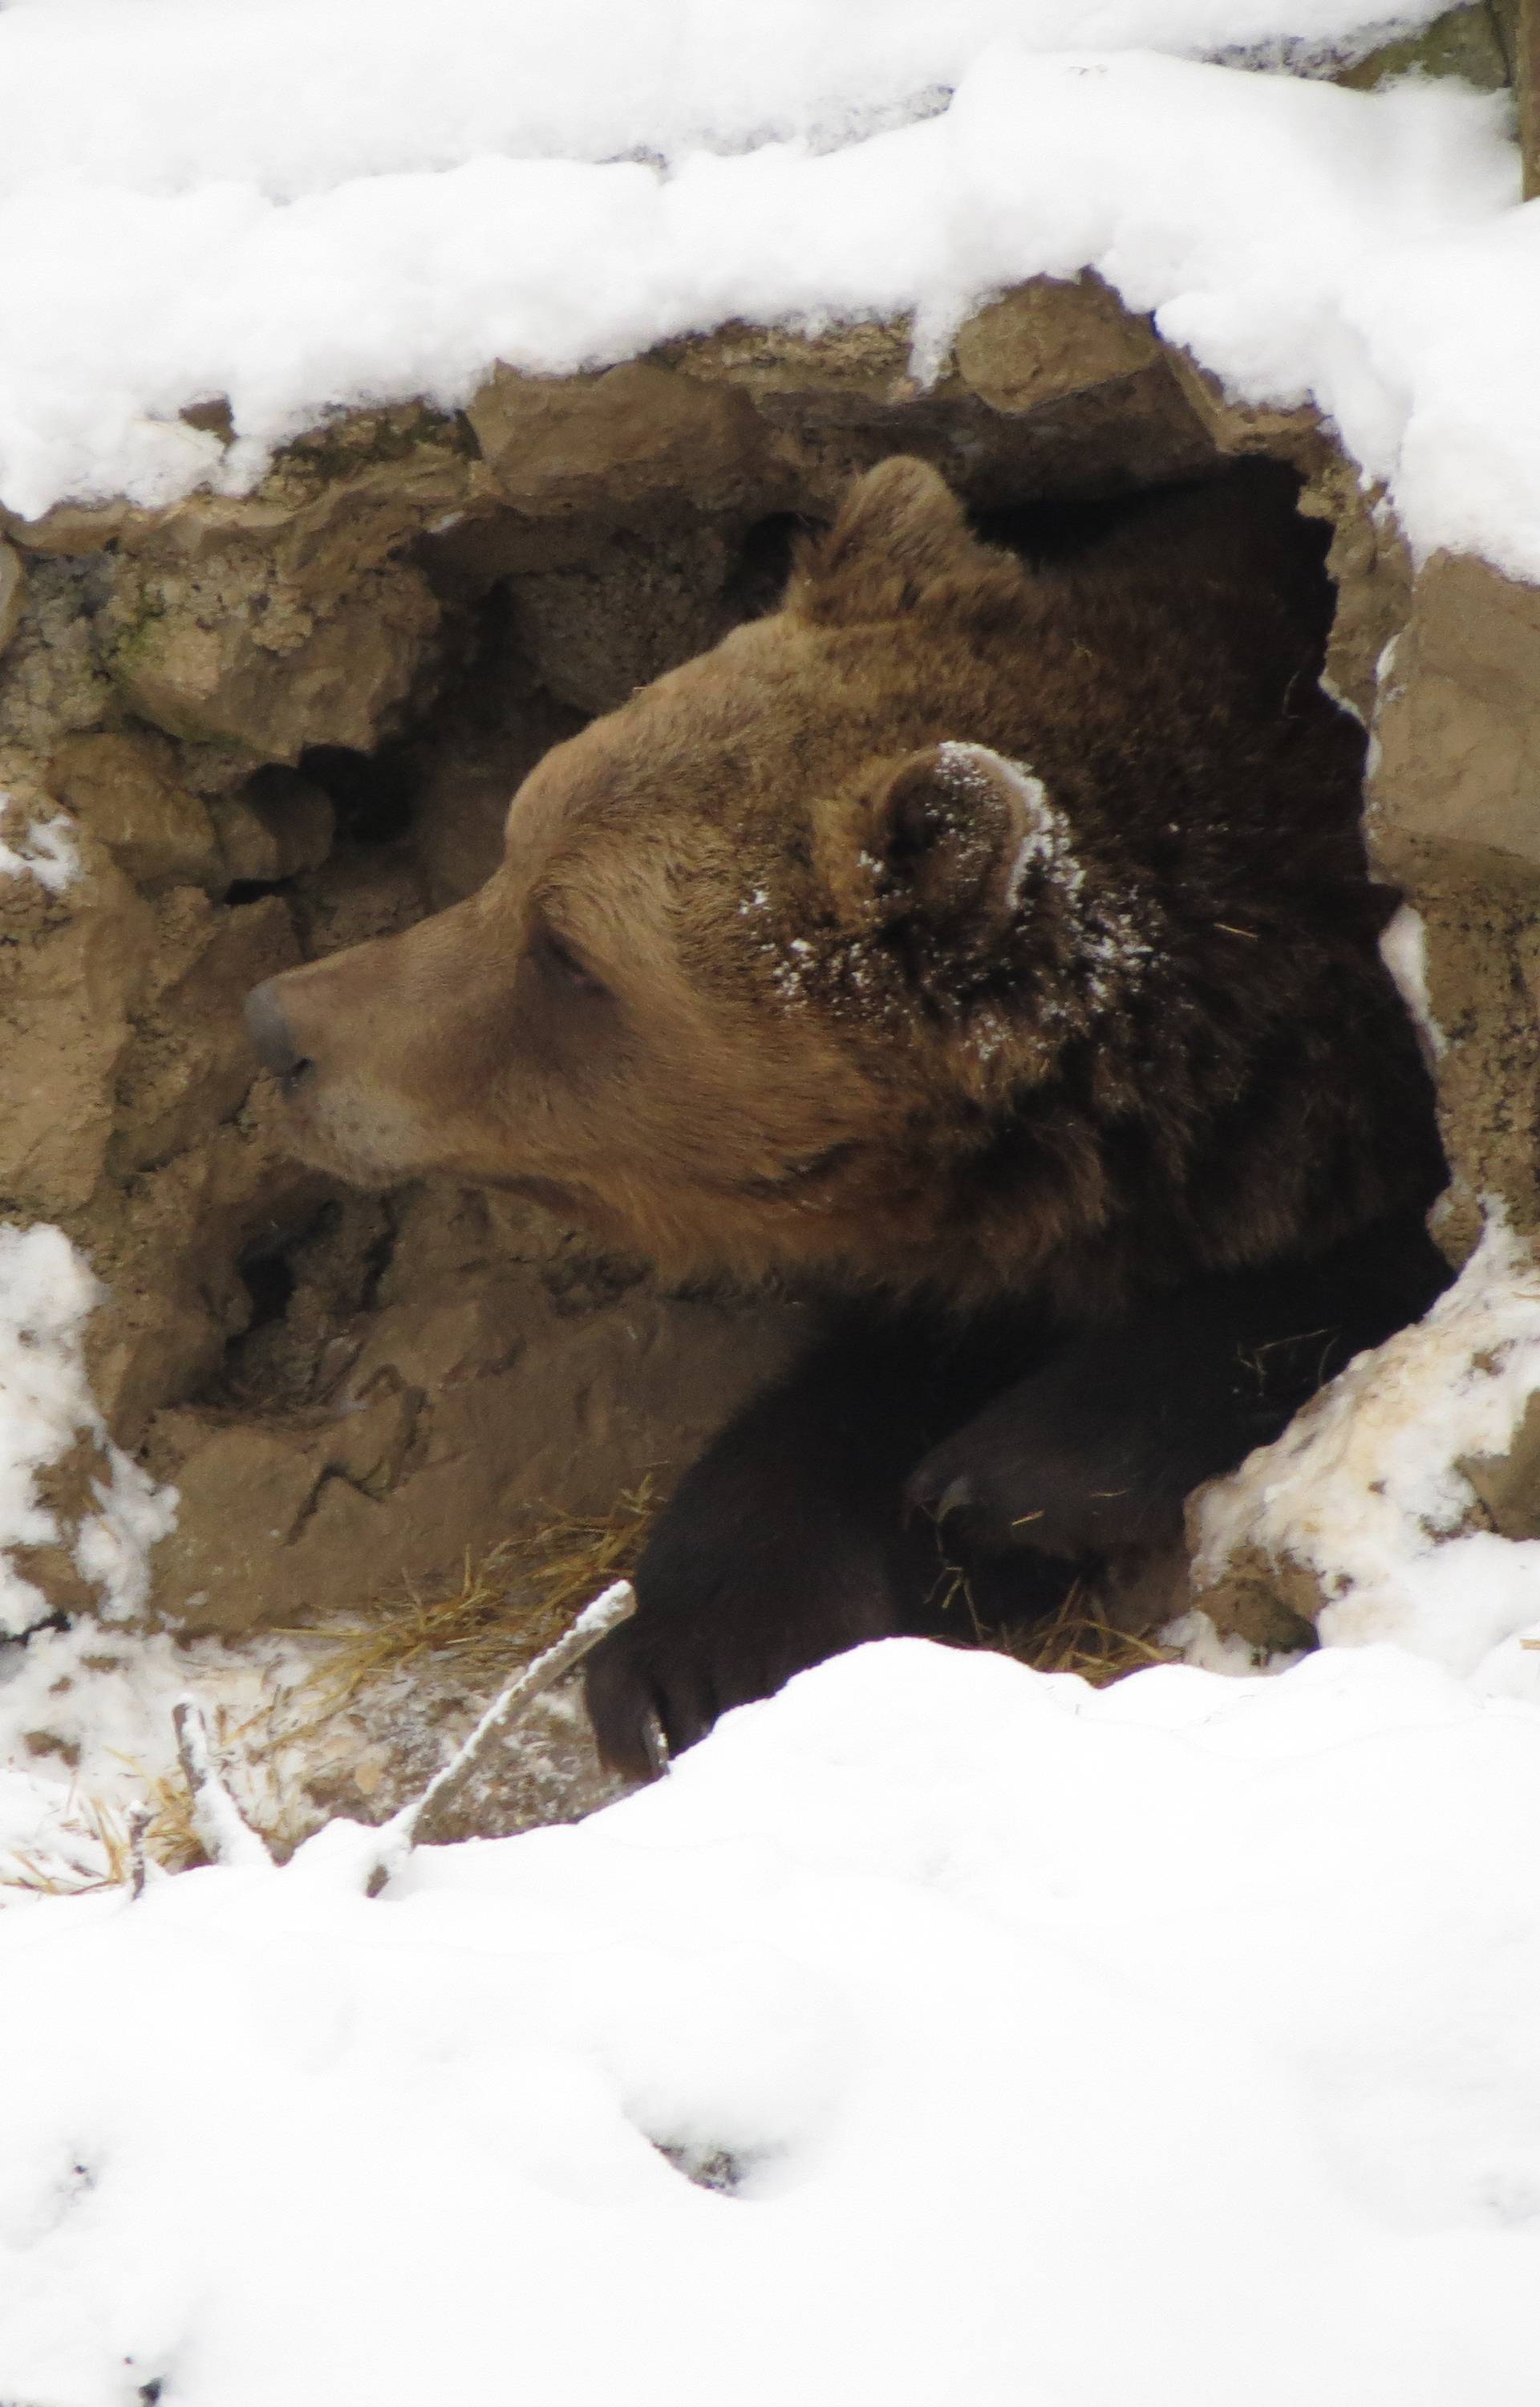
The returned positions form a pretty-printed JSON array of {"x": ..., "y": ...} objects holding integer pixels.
[{"x": 750, "y": 738}]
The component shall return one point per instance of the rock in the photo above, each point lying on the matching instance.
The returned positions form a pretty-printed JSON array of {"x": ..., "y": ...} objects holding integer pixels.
[
  {"x": 1454, "y": 818},
  {"x": 217, "y": 655},
  {"x": 289, "y": 616},
  {"x": 51, "y": 681},
  {"x": 277, "y": 827},
  {"x": 1048, "y": 341},
  {"x": 1237, "y": 430},
  {"x": 622, "y": 441},
  {"x": 1480, "y": 916},
  {"x": 127, "y": 788},
  {"x": 190, "y": 1062},
  {"x": 13, "y": 593},
  {"x": 73, "y": 529},
  {"x": 1507, "y": 1487},
  {"x": 838, "y": 401},
  {"x": 1459, "y": 735},
  {"x": 1270, "y": 1600},
  {"x": 1372, "y": 569},
  {"x": 169, "y": 1247},
  {"x": 1462, "y": 42},
  {"x": 1520, "y": 26},
  {"x": 69, "y": 981}
]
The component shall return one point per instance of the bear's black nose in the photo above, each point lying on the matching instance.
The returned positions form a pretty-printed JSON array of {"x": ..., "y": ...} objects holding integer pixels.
[{"x": 268, "y": 1030}]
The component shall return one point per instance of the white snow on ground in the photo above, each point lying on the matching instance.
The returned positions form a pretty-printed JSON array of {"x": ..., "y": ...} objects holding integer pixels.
[
  {"x": 86, "y": 1735},
  {"x": 1368, "y": 1491},
  {"x": 302, "y": 207},
  {"x": 1176, "y": 2043},
  {"x": 46, "y": 1409}
]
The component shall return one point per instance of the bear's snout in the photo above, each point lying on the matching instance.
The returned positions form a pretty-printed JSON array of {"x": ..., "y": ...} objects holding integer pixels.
[{"x": 272, "y": 1039}]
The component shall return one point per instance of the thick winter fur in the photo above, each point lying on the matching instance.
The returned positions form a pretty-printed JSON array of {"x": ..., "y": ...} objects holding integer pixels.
[{"x": 992, "y": 942}]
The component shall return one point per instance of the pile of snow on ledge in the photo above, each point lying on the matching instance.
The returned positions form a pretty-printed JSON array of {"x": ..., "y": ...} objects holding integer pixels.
[
  {"x": 1026, "y": 2046},
  {"x": 1369, "y": 1489},
  {"x": 304, "y": 207}
]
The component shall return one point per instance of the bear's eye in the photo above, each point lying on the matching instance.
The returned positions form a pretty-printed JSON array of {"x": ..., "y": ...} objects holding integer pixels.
[{"x": 557, "y": 958}]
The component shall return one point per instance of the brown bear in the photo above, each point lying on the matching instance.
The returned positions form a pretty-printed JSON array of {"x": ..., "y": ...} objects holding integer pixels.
[{"x": 984, "y": 943}]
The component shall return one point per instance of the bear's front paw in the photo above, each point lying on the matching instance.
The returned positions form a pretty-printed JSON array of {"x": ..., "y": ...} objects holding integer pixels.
[
  {"x": 1005, "y": 1482},
  {"x": 647, "y": 1697},
  {"x": 716, "y": 1628},
  {"x": 659, "y": 1682}
]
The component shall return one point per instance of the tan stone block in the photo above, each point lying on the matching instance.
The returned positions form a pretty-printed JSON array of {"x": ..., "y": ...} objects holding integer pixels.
[
  {"x": 1458, "y": 726},
  {"x": 127, "y": 788},
  {"x": 190, "y": 1062},
  {"x": 1480, "y": 915},
  {"x": 1371, "y": 567},
  {"x": 1508, "y": 1486},
  {"x": 628, "y": 436},
  {"x": 1049, "y": 340},
  {"x": 13, "y": 593},
  {"x": 1462, "y": 42},
  {"x": 237, "y": 658},
  {"x": 1240, "y": 428},
  {"x": 67, "y": 987}
]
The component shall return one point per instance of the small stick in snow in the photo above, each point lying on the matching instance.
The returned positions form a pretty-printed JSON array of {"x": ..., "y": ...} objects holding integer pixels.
[
  {"x": 397, "y": 1838},
  {"x": 139, "y": 1819},
  {"x": 227, "y": 1837}
]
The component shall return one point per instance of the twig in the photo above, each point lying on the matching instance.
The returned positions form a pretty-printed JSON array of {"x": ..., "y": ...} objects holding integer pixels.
[
  {"x": 225, "y": 1835},
  {"x": 139, "y": 1819},
  {"x": 397, "y": 1838}
]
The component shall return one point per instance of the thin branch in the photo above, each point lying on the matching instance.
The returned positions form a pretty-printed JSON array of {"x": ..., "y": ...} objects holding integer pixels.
[
  {"x": 139, "y": 1819},
  {"x": 397, "y": 1838},
  {"x": 226, "y": 1836}
]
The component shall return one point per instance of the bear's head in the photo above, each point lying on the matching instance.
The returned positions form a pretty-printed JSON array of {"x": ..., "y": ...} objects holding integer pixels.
[
  {"x": 785, "y": 954},
  {"x": 757, "y": 937}
]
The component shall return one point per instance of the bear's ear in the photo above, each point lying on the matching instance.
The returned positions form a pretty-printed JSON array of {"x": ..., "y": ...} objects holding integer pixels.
[
  {"x": 900, "y": 540},
  {"x": 955, "y": 831}
]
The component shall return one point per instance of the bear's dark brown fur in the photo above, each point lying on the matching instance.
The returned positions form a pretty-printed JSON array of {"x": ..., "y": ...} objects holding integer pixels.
[{"x": 992, "y": 942}]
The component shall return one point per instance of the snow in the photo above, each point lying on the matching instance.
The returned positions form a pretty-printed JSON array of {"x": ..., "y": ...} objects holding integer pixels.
[
  {"x": 1403, "y": 950},
  {"x": 1370, "y": 1487},
  {"x": 46, "y": 851},
  {"x": 47, "y": 1293},
  {"x": 1042, "y": 2046},
  {"x": 301, "y": 208}
]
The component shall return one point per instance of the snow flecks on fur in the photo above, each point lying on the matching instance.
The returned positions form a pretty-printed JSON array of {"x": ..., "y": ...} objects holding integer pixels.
[
  {"x": 1108, "y": 943},
  {"x": 976, "y": 772},
  {"x": 1375, "y": 1489},
  {"x": 47, "y": 1293},
  {"x": 47, "y": 849}
]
